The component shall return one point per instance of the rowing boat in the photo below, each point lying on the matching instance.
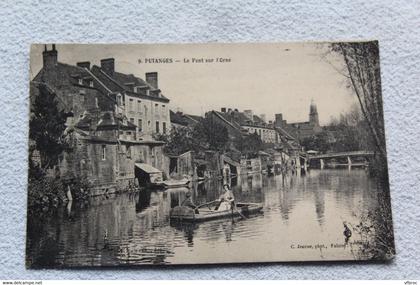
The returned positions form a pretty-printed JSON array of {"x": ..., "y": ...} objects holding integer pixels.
[{"x": 188, "y": 214}]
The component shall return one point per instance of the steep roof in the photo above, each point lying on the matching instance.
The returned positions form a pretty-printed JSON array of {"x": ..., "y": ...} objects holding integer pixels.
[
  {"x": 194, "y": 118},
  {"x": 240, "y": 119},
  {"x": 130, "y": 79},
  {"x": 228, "y": 119},
  {"x": 184, "y": 119},
  {"x": 177, "y": 118},
  {"x": 258, "y": 120},
  {"x": 64, "y": 69},
  {"x": 119, "y": 82},
  {"x": 285, "y": 133},
  {"x": 61, "y": 74}
]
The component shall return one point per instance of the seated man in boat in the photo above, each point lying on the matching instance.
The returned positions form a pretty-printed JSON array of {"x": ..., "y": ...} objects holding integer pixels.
[
  {"x": 226, "y": 200},
  {"x": 189, "y": 203}
]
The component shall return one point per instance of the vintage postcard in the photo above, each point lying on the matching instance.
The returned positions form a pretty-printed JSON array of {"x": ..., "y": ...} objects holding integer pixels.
[{"x": 160, "y": 154}]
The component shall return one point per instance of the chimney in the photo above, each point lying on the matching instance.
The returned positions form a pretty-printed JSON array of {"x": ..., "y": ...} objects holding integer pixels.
[
  {"x": 49, "y": 57},
  {"x": 249, "y": 114},
  {"x": 152, "y": 79},
  {"x": 279, "y": 120},
  {"x": 108, "y": 66},
  {"x": 223, "y": 110},
  {"x": 84, "y": 64}
]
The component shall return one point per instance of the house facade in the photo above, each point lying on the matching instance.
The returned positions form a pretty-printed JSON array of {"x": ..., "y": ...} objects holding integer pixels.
[{"x": 140, "y": 101}]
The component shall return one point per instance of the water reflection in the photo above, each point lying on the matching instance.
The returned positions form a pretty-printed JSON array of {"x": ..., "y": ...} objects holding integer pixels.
[{"x": 135, "y": 228}]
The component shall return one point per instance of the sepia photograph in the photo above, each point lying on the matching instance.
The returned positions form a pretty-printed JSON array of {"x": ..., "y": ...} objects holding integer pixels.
[{"x": 165, "y": 154}]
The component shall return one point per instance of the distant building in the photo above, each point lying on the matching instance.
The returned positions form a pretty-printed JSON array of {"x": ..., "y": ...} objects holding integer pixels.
[
  {"x": 242, "y": 123},
  {"x": 301, "y": 130},
  {"x": 181, "y": 120}
]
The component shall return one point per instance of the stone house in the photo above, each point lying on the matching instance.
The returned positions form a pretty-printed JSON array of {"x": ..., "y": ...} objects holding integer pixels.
[
  {"x": 105, "y": 144},
  {"x": 140, "y": 101}
]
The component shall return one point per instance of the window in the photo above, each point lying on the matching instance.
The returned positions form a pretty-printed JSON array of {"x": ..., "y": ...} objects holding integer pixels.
[
  {"x": 96, "y": 102},
  {"x": 103, "y": 152},
  {"x": 130, "y": 105},
  {"x": 164, "y": 127},
  {"x": 128, "y": 151},
  {"x": 157, "y": 127},
  {"x": 119, "y": 101},
  {"x": 139, "y": 106},
  {"x": 147, "y": 92},
  {"x": 132, "y": 120},
  {"x": 91, "y": 83},
  {"x": 140, "y": 125},
  {"x": 80, "y": 81}
]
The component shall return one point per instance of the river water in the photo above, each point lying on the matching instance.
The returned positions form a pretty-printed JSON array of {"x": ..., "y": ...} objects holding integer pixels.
[{"x": 302, "y": 220}]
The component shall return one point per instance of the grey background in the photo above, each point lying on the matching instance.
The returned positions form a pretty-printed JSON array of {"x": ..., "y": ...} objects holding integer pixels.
[{"x": 396, "y": 24}]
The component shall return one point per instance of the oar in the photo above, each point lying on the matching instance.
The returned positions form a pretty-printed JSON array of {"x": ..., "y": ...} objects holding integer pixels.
[
  {"x": 208, "y": 203},
  {"x": 236, "y": 209}
]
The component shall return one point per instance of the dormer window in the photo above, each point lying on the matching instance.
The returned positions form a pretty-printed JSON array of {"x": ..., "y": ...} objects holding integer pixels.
[
  {"x": 91, "y": 83},
  {"x": 147, "y": 92},
  {"x": 80, "y": 81},
  {"x": 119, "y": 101}
]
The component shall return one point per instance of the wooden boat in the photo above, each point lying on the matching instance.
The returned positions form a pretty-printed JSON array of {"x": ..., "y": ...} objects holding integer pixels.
[
  {"x": 182, "y": 213},
  {"x": 172, "y": 183}
]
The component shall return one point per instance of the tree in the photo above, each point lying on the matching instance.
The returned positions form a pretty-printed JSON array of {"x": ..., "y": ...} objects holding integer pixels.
[
  {"x": 361, "y": 61},
  {"x": 211, "y": 133},
  {"x": 178, "y": 142},
  {"x": 363, "y": 71},
  {"x": 46, "y": 128},
  {"x": 317, "y": 142}
]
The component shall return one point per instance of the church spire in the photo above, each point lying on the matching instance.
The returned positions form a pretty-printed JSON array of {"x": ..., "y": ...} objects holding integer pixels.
[{"x": 313, "y": 114}]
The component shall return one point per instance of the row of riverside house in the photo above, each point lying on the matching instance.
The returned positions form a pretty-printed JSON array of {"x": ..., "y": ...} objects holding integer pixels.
[
  {"x": 282, "y": 149},
  {"x": 112, "y": 118}
]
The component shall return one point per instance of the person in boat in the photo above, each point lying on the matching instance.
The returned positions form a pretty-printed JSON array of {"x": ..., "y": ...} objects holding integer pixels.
[
  {"x": 226, "y": 200},
  {"x": 189, "y": 203}
]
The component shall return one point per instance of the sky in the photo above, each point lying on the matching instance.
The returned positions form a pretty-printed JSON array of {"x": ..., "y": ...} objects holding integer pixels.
[{"x": 266, "y": 78}]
